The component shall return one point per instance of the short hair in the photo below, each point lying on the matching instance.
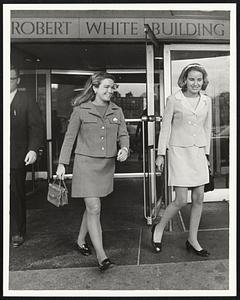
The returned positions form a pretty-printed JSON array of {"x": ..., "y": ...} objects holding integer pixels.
[
  {"x": 183, "y": 76},
  {"x": 16, "y": 69}
]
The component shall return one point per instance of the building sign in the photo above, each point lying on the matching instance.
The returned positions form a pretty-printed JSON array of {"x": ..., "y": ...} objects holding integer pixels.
[
  {"x": 44, "y": 28},
  {"x": 189, "y": 28},
  {"x": 118, "y": 28},
  {"x": 112, "y": 28}
]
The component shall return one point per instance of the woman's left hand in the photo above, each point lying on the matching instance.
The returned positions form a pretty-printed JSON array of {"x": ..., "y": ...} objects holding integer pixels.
[
  {"x": 208, "y": 161},
  {"x": 122, "y": 154}
]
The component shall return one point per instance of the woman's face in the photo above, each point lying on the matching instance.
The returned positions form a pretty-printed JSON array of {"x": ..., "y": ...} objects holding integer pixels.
[
  {"x": 105, "y": 90},
  {"x": 194, "y": 82}
]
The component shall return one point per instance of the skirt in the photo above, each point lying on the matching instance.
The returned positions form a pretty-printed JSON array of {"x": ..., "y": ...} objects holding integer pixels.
[
  {"x": 187, "y": 166},
  {"x": 92, "y": 176}
]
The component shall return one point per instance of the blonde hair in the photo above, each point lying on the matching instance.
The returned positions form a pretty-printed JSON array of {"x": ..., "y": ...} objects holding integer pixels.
[
  {"x": 88, "y": 92},
  {"x": 184, "y": 74}
]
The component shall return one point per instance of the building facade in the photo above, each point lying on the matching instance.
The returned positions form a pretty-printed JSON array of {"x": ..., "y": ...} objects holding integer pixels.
[{"x": 146, "y": 50}]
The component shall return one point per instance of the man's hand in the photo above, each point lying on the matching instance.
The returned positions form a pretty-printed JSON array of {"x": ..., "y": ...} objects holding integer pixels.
[{"x": 30, "y": 157}]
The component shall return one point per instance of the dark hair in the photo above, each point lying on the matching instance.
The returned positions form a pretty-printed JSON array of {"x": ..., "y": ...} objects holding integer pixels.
[
  {"x": 16, "y": 69},
  {"x": 184, "y": 74},
  {"x": 88, "y": 92}
]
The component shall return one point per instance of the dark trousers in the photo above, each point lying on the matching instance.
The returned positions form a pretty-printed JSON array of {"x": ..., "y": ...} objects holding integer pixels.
[{"x": 17, "y": 201}]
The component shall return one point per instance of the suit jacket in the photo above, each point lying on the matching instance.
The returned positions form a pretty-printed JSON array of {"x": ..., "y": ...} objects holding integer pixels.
[
  {"x": 183, "y": 126},
  {"x": 96, "y": 136},
  {"x": 26, "y": 128}
]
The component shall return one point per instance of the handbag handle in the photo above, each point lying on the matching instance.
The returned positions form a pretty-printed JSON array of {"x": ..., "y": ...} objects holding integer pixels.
[{"x": 61, "y": 182}]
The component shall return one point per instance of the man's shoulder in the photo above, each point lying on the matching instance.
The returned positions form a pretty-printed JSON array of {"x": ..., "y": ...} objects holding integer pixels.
[
  {"x": 24, "y": 101},
  {"x": 24, "y": 96}
]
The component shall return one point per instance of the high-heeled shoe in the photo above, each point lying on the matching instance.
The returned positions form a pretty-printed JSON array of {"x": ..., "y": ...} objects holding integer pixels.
[
  {"x": 84, "y": 249},
  {"x": 157, "y": 246},
  {"x": 105, "y": 264},
  {"x": 203, "y": 252}
]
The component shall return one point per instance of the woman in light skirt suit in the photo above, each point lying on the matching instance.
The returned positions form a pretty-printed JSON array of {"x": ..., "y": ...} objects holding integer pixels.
[
  {"x": 98, "y": 125},
  {"x": 186, "y": 133}
]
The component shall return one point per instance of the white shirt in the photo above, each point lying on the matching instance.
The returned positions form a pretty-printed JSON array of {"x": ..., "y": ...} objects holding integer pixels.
[{"x": 12, "y": 95}]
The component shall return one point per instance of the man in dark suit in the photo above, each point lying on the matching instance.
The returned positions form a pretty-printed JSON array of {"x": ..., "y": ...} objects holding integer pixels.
[{"x": 26, "y": 136}]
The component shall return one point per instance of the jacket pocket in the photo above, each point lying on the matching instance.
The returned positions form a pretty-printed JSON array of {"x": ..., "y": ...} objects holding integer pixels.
[
  {"x": 89, "y": 119},
  {"x": 114, "y": 120}
]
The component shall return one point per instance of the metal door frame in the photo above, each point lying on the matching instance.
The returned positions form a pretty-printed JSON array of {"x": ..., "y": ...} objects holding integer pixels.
[{"x": 150, "y": 195}]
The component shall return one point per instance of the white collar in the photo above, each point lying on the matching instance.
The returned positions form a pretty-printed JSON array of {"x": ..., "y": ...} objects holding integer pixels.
[
  {"x": 202, "y": 101},
  {"x": 12, "y": 95}
]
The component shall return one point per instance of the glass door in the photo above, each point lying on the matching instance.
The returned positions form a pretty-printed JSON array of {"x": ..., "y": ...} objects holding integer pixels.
[
  {"x": 130, "y": 96},
  {"x": 138, "y": 95},
  {"x": 65, "y": 85},
  {"x": 215, "y": 58}
]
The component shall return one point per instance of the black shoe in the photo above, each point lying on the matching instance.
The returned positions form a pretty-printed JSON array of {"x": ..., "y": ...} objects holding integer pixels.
[
  {"x": 203, "y": 252},
  {"x": 17, "y": 240},
  {"x": 106, "y": 264},
  {"x": 84, "y": 249},
  {"x": 157, "y": 246}
]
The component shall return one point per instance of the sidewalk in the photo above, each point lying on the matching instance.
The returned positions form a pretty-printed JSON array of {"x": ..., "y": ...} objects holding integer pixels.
[
  {"x": 198, "y": 275},
  {"x": 48, "y": 261}
]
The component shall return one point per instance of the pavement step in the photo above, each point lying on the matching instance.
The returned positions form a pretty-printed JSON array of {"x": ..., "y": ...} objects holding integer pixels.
[{"x": 197, "y": 275}]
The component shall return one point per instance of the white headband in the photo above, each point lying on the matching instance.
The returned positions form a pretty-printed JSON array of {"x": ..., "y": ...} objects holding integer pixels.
[{"x": 193, "y": 65}]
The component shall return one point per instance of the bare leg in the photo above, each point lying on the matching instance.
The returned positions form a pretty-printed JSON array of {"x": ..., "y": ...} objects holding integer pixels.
[
  {"x": 170, "y": 212},
  {"x": 93, "y": 208},
  {"x": 196, "y": 212},
  {"x": 83, "y": 230}
]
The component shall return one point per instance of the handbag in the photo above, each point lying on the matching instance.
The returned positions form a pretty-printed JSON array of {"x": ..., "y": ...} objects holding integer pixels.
[
  {"x": 210, "y": 185},
  {"x": 57, "y": 193}
]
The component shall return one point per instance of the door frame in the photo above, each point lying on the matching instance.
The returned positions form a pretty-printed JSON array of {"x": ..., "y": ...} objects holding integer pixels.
[
  {"x": 152, "y": 205},
  {"x": 216, "y": 194},
  {"x": 85, "y": 72}
]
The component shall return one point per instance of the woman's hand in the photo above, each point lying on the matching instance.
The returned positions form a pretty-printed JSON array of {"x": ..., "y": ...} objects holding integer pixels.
[
  {"x": 60, "y": 171},
  {"x": 208, "y": 161},
  {"x": 122, "y": 154},
  {"x": 160, "y": 163}
]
